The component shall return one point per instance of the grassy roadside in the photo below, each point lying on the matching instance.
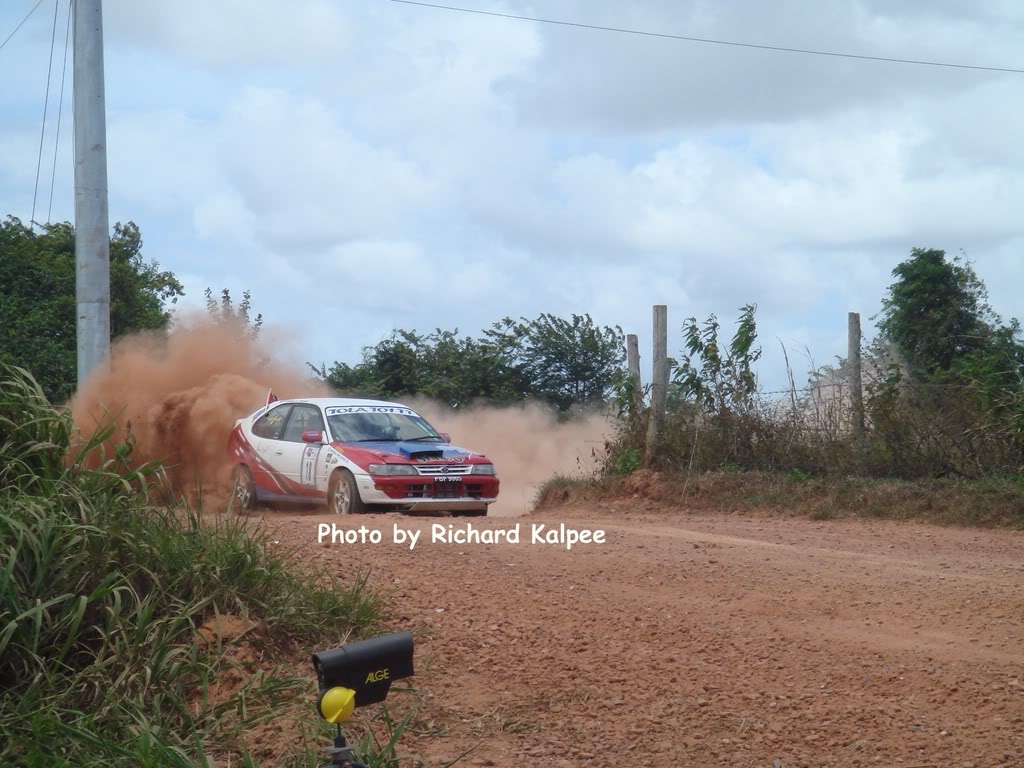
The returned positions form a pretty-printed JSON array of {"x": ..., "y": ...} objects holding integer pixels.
[
  {"x": 985, "y": 503},
  {"x": 102, "y": 592}
]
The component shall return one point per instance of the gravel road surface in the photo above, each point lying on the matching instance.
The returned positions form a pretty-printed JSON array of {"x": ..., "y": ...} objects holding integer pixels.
[{"x": 704, "y": 640}]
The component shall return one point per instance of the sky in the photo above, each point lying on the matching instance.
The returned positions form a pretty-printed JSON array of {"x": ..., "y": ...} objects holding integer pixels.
[{"x": 365, "y": 165}]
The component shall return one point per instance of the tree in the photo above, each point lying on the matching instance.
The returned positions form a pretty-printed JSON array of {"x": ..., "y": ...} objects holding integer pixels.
[
  {"x": 719, "y": 380},
  {"x": 937, "y": 311},
  {"x": 140, "y": 291},
  {"x": 970, "y": 417},
  {"x": 408, "y": 364},
  {"x": 37, "y": 298},
  {"x": 562, "y": 362},
  {"x": 458, "y": 369},
  {"x": 568, "y": 362},
  {"x": 442, "y": 365},
  {"x": 348, "y": 379},
  {"x": 225, "y": 311}
]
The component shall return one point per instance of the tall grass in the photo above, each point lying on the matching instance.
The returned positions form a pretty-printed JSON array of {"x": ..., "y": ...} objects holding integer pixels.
[
  {"x": 994, "y": 502},
  {"x": 102, "y": 590},
  {"x": 914, "y": 430}
]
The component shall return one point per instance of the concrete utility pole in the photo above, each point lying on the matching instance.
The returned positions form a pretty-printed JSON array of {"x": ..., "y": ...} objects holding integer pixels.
[
  {"x": 633, "y": 360},
  {"x": 856, "y": 382},
  {"x": 92, "y": 238},
  {"x": 659, "y": 383}
]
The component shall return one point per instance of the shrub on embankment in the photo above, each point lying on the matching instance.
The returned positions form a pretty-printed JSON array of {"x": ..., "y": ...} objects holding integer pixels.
[
  {"x": 101, "y": 595},
  {"x": 927, "y": 421},
  {"x": 987, "y": 503}
]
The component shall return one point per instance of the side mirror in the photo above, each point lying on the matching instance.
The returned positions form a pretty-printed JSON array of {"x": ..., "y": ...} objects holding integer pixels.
[
  {"x": 446, "y": 437},
  {"x": 313, "y": 436}
]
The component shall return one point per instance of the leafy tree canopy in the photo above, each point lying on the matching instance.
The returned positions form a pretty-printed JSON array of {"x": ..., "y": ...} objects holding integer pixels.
[
  {"x": 937, "y": 314},
  {"x": 937, "y": 311},
  {"x": 567, "y": 361},
  {"x": 37, "y": 298},
  {"x": 719, "y": 379},
  {"x": 564, "y": 362},
  {"x": 225, "y": 311}
]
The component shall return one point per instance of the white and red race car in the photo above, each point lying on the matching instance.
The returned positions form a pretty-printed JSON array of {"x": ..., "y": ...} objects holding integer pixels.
[{"x": 355, "y": 456}]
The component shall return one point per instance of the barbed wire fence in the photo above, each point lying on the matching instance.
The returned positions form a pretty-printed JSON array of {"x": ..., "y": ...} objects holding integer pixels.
[{"x": 869, "y": 415}]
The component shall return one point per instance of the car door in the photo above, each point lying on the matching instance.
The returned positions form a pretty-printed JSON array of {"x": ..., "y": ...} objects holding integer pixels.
[
  {"x": 267, "y": 432},
  {"x": 301, "y": 460}
]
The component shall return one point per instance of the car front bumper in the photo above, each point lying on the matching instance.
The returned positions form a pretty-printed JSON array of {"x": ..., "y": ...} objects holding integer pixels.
[
  {"x": 424, "y": 494},
  {"x": 455, "y": 506}
]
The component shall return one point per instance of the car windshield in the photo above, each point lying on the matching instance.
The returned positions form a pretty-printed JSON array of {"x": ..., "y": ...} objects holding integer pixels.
[{"x": 368, "y": 427}]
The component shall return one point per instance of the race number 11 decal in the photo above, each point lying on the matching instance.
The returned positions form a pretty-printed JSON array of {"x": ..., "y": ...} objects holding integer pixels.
[{"x": 309, "y": 465}]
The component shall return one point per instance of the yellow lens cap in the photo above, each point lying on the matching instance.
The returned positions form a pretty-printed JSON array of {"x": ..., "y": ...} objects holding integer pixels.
[{"x": 337, "y": 704}]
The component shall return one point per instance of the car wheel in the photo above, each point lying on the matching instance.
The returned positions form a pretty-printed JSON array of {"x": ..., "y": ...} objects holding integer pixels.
[
  {"x": 343, "y": 495},
  {"x": 243, "y": 489}
]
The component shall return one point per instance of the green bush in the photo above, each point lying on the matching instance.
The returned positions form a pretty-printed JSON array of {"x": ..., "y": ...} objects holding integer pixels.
[
  {"x": 101, "y": 593},
  {"x": 627, "y": 460},
  {"x": 797, "y": 475}
]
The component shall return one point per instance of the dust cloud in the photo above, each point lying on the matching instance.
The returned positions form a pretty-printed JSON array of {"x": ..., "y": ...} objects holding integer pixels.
[
  {"x": 527, "y": 443},
  {"x": 180, "y": 393}
]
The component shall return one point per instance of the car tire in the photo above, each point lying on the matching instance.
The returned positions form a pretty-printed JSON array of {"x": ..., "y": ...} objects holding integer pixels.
[
  {"x": 343, "y": 495},
  {"x": 243, "y": 489}
]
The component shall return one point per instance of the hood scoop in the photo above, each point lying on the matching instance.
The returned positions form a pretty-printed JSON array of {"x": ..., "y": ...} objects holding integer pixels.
[{"x": 421, "y": 455}]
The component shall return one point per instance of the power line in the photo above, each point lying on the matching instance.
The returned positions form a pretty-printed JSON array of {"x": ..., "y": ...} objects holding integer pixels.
[
  {"x": 60, "y": 109},
  {"x": 8, "y": 39},
  {"x": 711, "y": 41},
  {"x": 46, "y": 103}
]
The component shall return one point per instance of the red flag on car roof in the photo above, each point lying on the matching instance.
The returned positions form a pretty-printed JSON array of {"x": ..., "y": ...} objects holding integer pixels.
[{"x": 271, "y": 398}]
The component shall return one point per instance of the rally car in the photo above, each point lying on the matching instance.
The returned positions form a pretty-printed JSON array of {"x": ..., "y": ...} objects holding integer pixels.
[{"x": 355, "y": 456}]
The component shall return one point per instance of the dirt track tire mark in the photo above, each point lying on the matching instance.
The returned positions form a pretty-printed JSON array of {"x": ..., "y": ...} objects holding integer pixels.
[{"x": 712, "y": 641}]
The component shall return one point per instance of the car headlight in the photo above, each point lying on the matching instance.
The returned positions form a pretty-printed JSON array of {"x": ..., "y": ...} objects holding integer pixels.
[
  {"x": 391, "y": 469},
  {"x": 483, "y": 469}
]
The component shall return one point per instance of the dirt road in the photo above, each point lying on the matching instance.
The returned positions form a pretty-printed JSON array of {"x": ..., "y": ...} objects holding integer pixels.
[{"x": 707, "y": 640}]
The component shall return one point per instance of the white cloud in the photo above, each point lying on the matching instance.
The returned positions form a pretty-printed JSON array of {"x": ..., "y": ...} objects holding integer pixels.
[
  {"x": 399, "y": 166},
  {"x": 232, "y": 35},
  {"x": 632, "y": 84}
]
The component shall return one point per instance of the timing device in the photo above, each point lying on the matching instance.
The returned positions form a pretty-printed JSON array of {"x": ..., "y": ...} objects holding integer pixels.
[{"x": 356, "y": 675}]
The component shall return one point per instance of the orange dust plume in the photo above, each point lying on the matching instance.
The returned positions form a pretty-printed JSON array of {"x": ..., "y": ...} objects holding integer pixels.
[
  {"x": 527, "y": 443},
  {"x": 180, "y": 394}
]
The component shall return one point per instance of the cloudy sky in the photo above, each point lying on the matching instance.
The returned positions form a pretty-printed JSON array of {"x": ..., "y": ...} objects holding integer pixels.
[{"x": 362, "y": 165}]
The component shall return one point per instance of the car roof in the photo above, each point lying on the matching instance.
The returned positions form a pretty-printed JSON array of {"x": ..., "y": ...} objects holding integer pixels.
[{"x": 327, "y": 402}]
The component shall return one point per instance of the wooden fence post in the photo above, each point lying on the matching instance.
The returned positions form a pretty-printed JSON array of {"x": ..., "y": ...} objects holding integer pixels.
[
  {"x": 853, "y": 363},
  {"x": 659, "y": 383},
  {"x": 633, "y": 360}
]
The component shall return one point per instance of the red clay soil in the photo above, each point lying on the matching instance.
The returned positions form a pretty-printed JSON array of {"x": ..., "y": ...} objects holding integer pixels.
[{"x": 706, "y": 640}]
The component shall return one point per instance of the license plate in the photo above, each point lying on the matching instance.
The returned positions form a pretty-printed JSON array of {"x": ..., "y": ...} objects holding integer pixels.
[{"x": 447, "y": 479}]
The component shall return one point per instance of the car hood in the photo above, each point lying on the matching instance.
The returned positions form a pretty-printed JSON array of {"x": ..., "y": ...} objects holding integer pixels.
[{"x": 417, "y": 450}]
